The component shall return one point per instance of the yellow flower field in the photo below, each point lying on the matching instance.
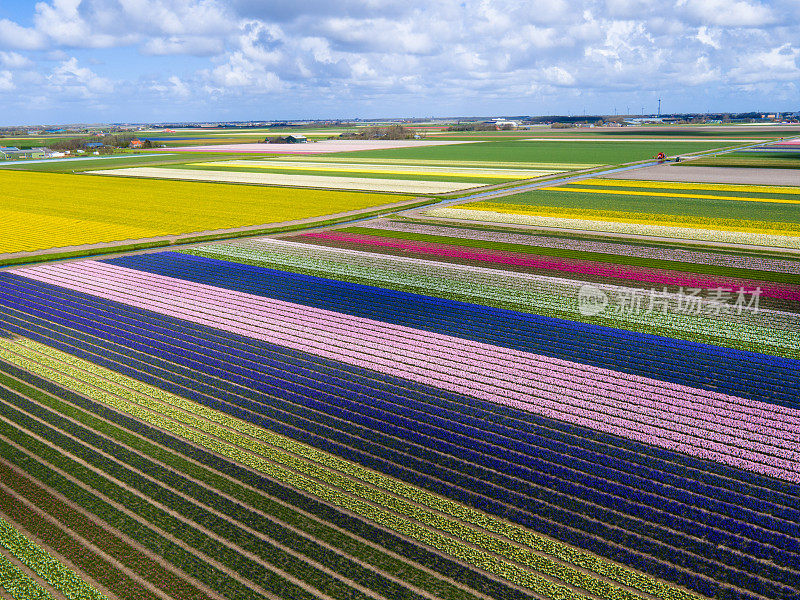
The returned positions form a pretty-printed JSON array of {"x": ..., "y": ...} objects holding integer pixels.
[{"x": 51, "y": 210}]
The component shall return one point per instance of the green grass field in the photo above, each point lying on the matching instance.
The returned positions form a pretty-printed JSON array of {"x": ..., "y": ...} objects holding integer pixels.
[
  {"x": 119, "y": 161},
  {"x": 588, "y": 152}
]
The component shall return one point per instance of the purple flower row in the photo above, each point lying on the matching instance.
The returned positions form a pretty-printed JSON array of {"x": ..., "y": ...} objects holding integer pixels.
[{"x": 671, "y": 416}]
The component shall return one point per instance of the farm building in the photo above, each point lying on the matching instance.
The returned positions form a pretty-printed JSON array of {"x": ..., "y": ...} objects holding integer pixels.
[
  {"x": 296, "y": 139},
  {"x": 12, "y": 152}
]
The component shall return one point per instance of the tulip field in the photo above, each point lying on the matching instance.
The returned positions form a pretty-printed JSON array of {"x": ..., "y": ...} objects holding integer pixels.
[
  {"x": 401, "y": 409},
  {"x": 380, "y": 177},
  {"x": 39, "y": 214},
  {"x": 587, "y": 388},
  {"x": 735, "y": 214}
]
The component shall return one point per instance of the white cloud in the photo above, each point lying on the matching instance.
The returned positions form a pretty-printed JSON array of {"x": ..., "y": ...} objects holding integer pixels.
[
  {"x": 709, "y": 37},
  {"x": 726, "y": 13},
  {"x": 193, "y": 45},
  {"x": 6, "y": 81},
  {"x": 13, "y": 35},
  {"x": 558, "y": 76},
  {"x": 777, "y": 64},
  {"x": 173, "y": 87},
  {"x": 14, "y": 60},
  {"x": 73, "y": 80},
  {"x": 64, "y": 25}
]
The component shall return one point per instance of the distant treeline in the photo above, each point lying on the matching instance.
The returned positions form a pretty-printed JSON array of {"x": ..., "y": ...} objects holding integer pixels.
[
  {"x": 476, "y": 126},
  {"x": 119, "y": 140},
  {"x": 392, "y": 132}
]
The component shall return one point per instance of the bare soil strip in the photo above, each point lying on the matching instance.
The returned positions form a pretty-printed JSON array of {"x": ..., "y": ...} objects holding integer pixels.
[{"x": 690, "y": 174}]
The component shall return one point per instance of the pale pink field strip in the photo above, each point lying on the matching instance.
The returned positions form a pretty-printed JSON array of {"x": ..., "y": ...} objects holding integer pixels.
[{"x": 757, "y": 436}]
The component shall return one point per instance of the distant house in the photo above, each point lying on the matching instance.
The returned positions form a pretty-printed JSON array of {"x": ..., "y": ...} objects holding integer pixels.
[
  {"x": 136, "y": 144},
  {"x": 296, "y": 139}
]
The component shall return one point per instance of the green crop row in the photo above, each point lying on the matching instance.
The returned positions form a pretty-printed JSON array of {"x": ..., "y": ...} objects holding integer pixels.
[
  {"x": 135, "y": 528},
  {"x": 137, "y": 503},
  {"x": 328, "y": 468},
  {"x": 250, "y": 498},
  {"x": 86, "y": 561},
  {"x": 45, "y": 566}
]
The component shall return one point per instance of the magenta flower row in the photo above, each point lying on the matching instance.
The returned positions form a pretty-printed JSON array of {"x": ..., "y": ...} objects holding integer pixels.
[{"x": 568, "y": 265}]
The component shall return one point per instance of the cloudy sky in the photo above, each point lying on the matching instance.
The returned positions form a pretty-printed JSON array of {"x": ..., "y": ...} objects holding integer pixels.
[{"x": 155, "y": 60}]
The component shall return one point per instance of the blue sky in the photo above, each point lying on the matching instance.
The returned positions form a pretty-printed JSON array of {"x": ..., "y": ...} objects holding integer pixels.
[{"x": 67, "y": 61}]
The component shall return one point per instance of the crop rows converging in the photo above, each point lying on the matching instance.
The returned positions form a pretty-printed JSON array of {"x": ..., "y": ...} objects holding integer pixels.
[
  {"x": 367, "y": 413},
  {"x": 396, "y": 178},
  {"x": 733, "y": 214},
  {"x": 543, "y": 274},
  {"x": 113, "y": 209}
]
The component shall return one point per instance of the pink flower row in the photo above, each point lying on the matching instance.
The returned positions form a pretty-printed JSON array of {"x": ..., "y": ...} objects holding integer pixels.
[
  {"x": 527, "y": 239},
  {"x": 507, "y": 367},
  {"x": 656, "y": 412},
  {"x": 568, "y": 265}
]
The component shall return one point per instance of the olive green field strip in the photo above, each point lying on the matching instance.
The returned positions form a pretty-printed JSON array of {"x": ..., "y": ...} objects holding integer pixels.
[
  {"x": 509, "y": 552},
  {"x": 479, "y": 164}
]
